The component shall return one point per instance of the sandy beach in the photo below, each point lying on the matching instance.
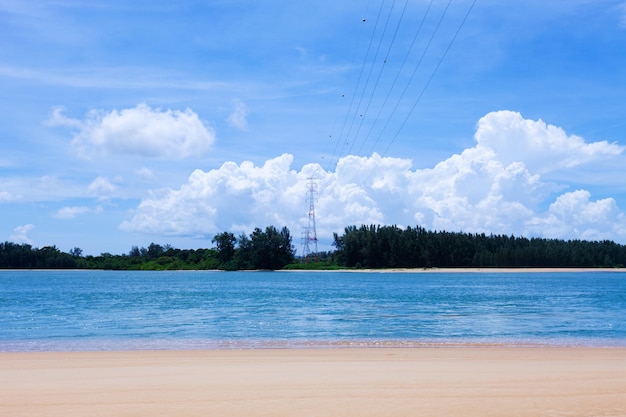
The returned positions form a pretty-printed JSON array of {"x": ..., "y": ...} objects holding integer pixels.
[
  {"x": 467, "y": 381},
  {"x": 477, "y": 270}
]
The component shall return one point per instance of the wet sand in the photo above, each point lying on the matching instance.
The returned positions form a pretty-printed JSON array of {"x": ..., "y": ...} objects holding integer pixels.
[{"x": 461, "y": 381}]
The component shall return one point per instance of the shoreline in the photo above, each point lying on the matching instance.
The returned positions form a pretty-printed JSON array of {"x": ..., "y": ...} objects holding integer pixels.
[
  {"x": 365, "y": 270},
  {"x": 109, "y": 346},
  {"x": 459, "y": 270},
  {"x": 480, "y": 381}
]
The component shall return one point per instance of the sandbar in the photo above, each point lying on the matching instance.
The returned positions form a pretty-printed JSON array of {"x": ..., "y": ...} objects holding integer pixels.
[{"x": 446, "y": 381}]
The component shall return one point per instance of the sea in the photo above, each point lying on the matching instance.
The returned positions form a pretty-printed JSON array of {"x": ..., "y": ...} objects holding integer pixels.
[{"x": 131, "y": 310}]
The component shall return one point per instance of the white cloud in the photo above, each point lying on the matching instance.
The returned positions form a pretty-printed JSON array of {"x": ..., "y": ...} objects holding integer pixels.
[
  {"x": 543, "y": 148},
  {"x": 221, "y": 200},
  {"x": 20, "y": 234},
  {"x": 57, "y": 118},
  {"x": 72, "y": 212},
  {"x": 139, "y": 131},
  {"x": 145, "y": 173},
  {"x": 493, "y": 187},
  {"x": 101, "y": 188},
  {"x": 7, "y": 197},
  {"x": 239, "y": 116},
  {"x": 43, "y": 188},
  {"x": 574, "y": 216}
]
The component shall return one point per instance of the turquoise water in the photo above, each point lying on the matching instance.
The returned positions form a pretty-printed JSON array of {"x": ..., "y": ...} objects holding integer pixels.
[{"x": 105, "y": 310}]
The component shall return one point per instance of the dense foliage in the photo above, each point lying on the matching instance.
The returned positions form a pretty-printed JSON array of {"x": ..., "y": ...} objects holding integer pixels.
[
  {"x": 155, "y": 257},
  {"x": 269, "y": 249},
  {"x": 358, "y": 247},
  {"x": 415, "y": 247},
  {"x": 13, "y": 255}
]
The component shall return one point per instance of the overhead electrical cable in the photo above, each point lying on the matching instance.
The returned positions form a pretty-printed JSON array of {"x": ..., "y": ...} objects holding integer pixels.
[
  {"x": 409, "y": 82},
  {"x": 362, "y": 94},
  {"x": 417, "y": 66},
  {"x": 397, "y": 77},
  {"x": 340, "y": 139},
  {"x": 432, "y": 75},
  {"x": 352, "y": 62},
  {"x": 363, "y": 114},
  {"x": 380, "y": 73}
]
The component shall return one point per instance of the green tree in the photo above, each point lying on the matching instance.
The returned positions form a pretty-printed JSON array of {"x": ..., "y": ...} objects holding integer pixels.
[
  {"x": 271, "y": 249},
  {"x": 225, "y": 243},
  {"x": 155, "y": 250}
]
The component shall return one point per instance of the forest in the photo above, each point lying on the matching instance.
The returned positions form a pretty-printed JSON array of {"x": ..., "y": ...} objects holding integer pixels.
[
  {"x": 263, "y": 249},
  {"x": 415, "y": 247},
  {"x": 372, "y": 246}
]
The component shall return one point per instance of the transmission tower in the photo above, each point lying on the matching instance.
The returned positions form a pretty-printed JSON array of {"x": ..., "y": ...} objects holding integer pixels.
[{"x": 310, "y": 234}]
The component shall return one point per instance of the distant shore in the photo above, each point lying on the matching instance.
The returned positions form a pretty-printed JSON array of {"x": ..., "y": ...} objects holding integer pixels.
[
  {"x": 462, "y": 270},
  {"x": 426, "y": 382},
  {"x": 368, "y": 270}
]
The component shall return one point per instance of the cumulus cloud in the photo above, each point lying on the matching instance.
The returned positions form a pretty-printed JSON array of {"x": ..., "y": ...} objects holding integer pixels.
[
  {"x": 574, "y": 216},
  {"x": 494, "y": 187},
  {"x": 239, "y": 116},
  {"x": 542, "y": 147},
  {"x": 198, "y": 208},
  {"x": 20, "y": 234},
  {"x": 139, "y": 131}
]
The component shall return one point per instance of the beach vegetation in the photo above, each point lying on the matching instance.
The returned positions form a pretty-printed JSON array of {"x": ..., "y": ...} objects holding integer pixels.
[
  {"x": 375, "y": 246},
  {"x": 268, "y": 249},
  {"x": 365, "y": 246}
]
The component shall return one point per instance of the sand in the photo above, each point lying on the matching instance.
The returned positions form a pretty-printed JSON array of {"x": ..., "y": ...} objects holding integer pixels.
[
  {"x": 473, "y": 270},
  {"x": 468, "y": 381}
]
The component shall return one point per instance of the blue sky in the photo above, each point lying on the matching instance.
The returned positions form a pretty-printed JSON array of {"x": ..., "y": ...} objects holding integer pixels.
[{"x": 124, "y": 123}]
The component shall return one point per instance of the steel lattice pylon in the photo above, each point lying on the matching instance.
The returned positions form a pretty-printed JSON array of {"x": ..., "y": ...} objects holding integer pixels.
[{"x": 310, "y": 234}]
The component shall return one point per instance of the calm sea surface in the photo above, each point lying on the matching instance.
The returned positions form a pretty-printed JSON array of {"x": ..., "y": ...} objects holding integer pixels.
[{"x": 105, "y": 310}]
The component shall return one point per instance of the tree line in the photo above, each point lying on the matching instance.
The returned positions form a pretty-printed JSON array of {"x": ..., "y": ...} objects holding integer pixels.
[
  {"x": 262, "y": 249},
  {"x": 415, "y": 247},
  {"x": 270, "y": 249},
  {"x": 372, "y": 246}
]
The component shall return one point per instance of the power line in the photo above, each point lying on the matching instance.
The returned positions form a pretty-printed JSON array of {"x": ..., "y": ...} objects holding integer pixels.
[
  {"x": 432, "y": 75},
  {"x": 361, "y": 90},
  {"x": 419, "y": 63},
  {"x": 340, "y": 140},
  {"x": 413, "y": 73},
  {"x": 395, "y": 80},
  {"x": 380, "y": 73}
]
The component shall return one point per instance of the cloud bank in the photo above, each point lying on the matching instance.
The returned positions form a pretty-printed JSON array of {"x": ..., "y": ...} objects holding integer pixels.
[
  {"x": 138, "y": 131},
  {"x": 496, "y": 186},
  {"x": 542, "y": 147}
]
